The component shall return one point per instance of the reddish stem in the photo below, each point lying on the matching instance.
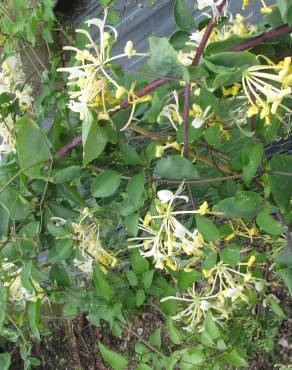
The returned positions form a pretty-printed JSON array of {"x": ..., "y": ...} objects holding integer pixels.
[{"x": 262, "y": 38}]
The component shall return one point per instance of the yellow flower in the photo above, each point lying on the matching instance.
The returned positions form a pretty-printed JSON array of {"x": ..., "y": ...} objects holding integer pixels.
[
  {"x": 147, "y": 219},
  {"x": 203, "y": 209},
  {"x": 251, "y": 261},
  {"x": 252, "y": 111},
  {"x": 171, "y": 264},
  {"x": 233, "y": 90},
  {"x": 229, "y": 237},
  {"x": 266, "y": 91},
  {"x": 120, "y": 91},
  {"x": 266, "y": 10},
  {"x": 129, "y": 49},
  {"x": 245, "y": 3},
  {"x": 254, "y": 230},
  {"x": 207, "y": 273}
]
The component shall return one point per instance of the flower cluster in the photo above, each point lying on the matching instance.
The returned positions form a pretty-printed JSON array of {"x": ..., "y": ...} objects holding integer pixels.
[
  {"x": 87, "y": 236},
  {"x": 238, "y": 25},
  {"x": 92, "y": 82},
  {"x": 266, "y": 86},
  {"x": 166, "y": 239},
  {"x": 173, "y": 115},
  {"x": 220, "y": 291},
  {"x": 13, "y": 82},
  {"x": 11, "y": 278}
]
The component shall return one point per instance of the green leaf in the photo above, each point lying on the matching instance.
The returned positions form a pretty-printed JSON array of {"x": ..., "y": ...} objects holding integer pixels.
[
  {"x": 95, "y": 143},
  {"x": 144, "y": 366},
  {"x": 147, "y": 278},
  {"x": 192, "y": 357},
  {"x": 212, "y": 135},
  {"x": 30, "y": 141},
  {"x": 231, "y": 254},
  {"x": 132, "y": 224},
  {"x": 211, "y": 326},
  {"x": 67, "y": 174},
  {"x": 5, "y": 361},
  {"x": 187, "y": 279},
  {"x": 209, "y": 230},
  {"x": 210, "y": 261},
  {"x": 58, "y": 275},
  {"x": 155, "y": 338},
  {"x": 175, "y": 167},
  {"x": 26, "y": 277},
  {"x": 179, "y": 38},
  {"x": 140, "y": 297},
  {"x": 33, "y": 312},
  {"x": 163, "y": 59},
  {"x": 182, "y": 16},
  {"x": 235, "y": 358},
  {"x": 276, "y": 307},
  {"x": 101, "y": 284},
  {"x": 135, "y": 188},
  {"x": 269, "y": 224},
  {"x": 244, "y": 204},
  {"x": 229, "y": 61},
  {"x": 286, "y": 275},
  {"x": 173, "y": 332},
  {"x": 284, "y": 257},
  {"x": 4, "y": 224},
  {"x": 114, "y": 359},
  {"x": 105, "y": 184},
  {"x": 284, "y": 7},
  {"x": 61, "y": 251},
  {"x": 132, "y": 277},
  {"x": 130, "y": 155},
  {"x": 15, "y": 204},
  {"x": 3, "y": 303},
  {"x": 251, "y": 159},
  {"x": 139, "y": 264},
  {"x": 281, "y": 185}
]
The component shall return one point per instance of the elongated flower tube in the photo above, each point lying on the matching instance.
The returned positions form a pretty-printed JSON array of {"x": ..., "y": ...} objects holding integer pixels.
[
  {"x": 222, "y": 288},
  {"x": 91, "y": 79},
  {"x": 266, "y": 86},
  {"x": 165, "y": 239}
]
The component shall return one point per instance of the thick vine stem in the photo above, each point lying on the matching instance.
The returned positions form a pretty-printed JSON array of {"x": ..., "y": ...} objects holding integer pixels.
[{"x": 266, "y": 36}]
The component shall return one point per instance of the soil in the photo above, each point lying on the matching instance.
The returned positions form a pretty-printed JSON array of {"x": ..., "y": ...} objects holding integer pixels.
[{"x": 72, "y": 345}]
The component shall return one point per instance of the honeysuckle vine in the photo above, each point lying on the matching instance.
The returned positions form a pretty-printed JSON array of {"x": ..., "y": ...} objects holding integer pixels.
[
  {"x": 266, "y": 36},
  {"x": 169, "y": 196}
]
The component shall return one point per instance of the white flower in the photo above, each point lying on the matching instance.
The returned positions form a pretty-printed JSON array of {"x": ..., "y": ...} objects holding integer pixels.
[
  {"x": 165, "y": 196},
  {"x": 197, "y": 37},
  {"x": 202, "y": 4},
  {"x": 205, "y": 305},
  {"x": 200, "y": 116},
  {"x": 171, "y": 112}
]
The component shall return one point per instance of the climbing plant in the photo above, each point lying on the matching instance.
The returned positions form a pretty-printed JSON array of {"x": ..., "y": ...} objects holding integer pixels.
[{"x": 119, "y": 188}]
